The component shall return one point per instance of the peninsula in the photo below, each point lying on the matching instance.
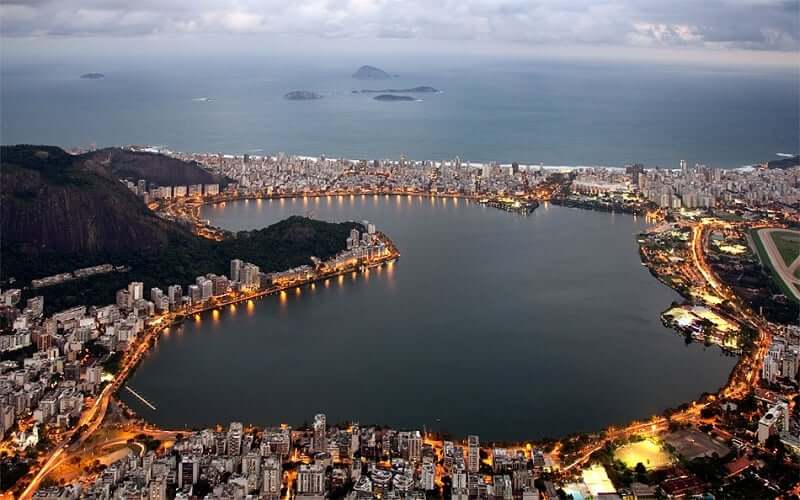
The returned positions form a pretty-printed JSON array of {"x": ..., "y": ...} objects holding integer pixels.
[{"x": 92, "y": 440}]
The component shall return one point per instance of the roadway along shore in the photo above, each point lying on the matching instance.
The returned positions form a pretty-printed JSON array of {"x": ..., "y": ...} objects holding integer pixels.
[
  {"x": 190, "y": 209},
  {"x": 743, "y": 378},
  {"x": 93, "y": 417}
]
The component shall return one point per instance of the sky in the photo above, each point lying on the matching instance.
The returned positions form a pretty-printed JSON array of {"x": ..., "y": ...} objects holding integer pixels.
[{"x": 748, "y": 31}]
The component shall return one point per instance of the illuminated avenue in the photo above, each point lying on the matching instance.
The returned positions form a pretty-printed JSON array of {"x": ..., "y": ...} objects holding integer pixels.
[{"x": 702, "y": 220}]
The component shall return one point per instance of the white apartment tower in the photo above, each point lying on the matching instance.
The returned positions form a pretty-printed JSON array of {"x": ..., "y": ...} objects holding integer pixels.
[
  {"x": 473, "y": 454},
  {"x": 271, "y": 483},
  {"x": 236, "y": 269},
  {"x": 320, "y": 433},
  {"x": 311, "y": 480}
]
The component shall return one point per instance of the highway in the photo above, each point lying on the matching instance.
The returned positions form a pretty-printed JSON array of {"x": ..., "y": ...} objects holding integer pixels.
[{"x": 744, "y": 377}]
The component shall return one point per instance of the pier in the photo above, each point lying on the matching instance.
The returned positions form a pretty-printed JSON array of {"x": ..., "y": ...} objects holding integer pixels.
[{"x": 141, "y": 398}]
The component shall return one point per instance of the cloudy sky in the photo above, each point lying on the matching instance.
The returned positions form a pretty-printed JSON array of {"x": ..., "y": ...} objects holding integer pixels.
[{"x": 755, "y": 28}]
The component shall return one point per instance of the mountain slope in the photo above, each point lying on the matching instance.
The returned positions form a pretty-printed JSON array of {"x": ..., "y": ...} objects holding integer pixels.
[
  {"x": 52, "y": 201},
  {"x": 60, "y": 212},
  {"x": 153, "y": 167}
]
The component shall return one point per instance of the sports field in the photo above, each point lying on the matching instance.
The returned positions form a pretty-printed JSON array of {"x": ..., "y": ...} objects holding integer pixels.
[{"x": 647, "y": 452}]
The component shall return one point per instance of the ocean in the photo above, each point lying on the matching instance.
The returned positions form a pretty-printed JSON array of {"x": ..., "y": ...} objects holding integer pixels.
[{"x": 529, "y": 111}]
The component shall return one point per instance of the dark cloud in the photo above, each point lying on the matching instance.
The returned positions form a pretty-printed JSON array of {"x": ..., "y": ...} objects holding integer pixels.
[{"x": 720, "y": 24}]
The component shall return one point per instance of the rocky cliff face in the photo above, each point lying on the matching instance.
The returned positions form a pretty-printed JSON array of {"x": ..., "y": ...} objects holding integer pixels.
[
  {"x": 51, "y": 201},
  {"x": 153, "y": 167}
]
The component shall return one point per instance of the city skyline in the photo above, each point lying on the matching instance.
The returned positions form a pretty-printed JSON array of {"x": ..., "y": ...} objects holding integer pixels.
[{"x": 399, "y": 249}]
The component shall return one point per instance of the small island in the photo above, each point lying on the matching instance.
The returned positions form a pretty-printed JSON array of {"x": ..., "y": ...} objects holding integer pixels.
[
  {"x": 393, "y": 98},
  {"x": 412, "y": 90},
  {"x": 302, "y": 95},
  {"x": 371, "y": 73},
  {"x": 93, "y": 76}
]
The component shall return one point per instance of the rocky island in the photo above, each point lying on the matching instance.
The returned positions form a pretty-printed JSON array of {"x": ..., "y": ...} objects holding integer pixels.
[
  {"x": 371, "y": 73},
  {"x": 93, "y": 76},
  {"x": 302, "y": 95},
  {"x": 412, "y": 90},
  {"x": 393, "y": 98}
]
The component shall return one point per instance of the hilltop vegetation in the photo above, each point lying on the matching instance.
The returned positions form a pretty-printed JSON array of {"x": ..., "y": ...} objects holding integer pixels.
[{"x": 61, "y": 212}]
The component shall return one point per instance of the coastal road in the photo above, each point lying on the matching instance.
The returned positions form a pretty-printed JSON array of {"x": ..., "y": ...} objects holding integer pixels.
[
  {"x": 743, "y": 379},
  {"x": 92, "y": 418}
]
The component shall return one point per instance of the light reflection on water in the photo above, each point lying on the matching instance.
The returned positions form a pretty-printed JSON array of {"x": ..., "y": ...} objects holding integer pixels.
[{"x": 551, "y": 317}]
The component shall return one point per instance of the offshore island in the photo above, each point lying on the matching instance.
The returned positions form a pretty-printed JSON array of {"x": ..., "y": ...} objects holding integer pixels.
[
  {"x": 393, "y": 98},
  {"x": 412, "y": 90},
  {"x": 74, "y": 437},
  {"x": 368, "y": 72},
  {"x": 302, "y": 95}
]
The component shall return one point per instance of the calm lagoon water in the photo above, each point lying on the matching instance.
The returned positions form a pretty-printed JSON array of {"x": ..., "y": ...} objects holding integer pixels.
[{"x": 506, "y": 326}]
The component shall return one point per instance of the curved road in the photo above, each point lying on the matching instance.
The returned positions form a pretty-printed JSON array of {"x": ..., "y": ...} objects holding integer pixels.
[{"x": 786, "y": 272}]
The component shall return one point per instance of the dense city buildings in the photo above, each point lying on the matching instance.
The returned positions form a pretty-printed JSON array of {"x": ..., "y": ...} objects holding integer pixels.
[{"x": 56, "y": 391}]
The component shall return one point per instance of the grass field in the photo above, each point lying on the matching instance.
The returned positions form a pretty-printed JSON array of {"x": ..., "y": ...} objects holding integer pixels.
[
  {"x": 765, "y": 260},
  {"x": 646, "y": 452},
  {"x": 788, "y": 244}
]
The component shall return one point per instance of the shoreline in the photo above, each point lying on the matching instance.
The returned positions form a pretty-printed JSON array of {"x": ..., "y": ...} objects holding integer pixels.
[
  {"x": 224, "y": 198},
  {"x": 684, "y": 413},
  {"x": 201, "y": 228},
  {"x": 181, "y": 316},
  {"x": 163, "y": 149}
]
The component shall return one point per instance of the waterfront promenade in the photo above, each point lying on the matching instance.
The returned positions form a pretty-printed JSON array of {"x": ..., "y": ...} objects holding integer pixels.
[{"x": 92, "y": 418}]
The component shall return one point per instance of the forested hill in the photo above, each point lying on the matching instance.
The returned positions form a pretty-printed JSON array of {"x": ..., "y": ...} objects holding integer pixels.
[{"x": 60, "y": 212}]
